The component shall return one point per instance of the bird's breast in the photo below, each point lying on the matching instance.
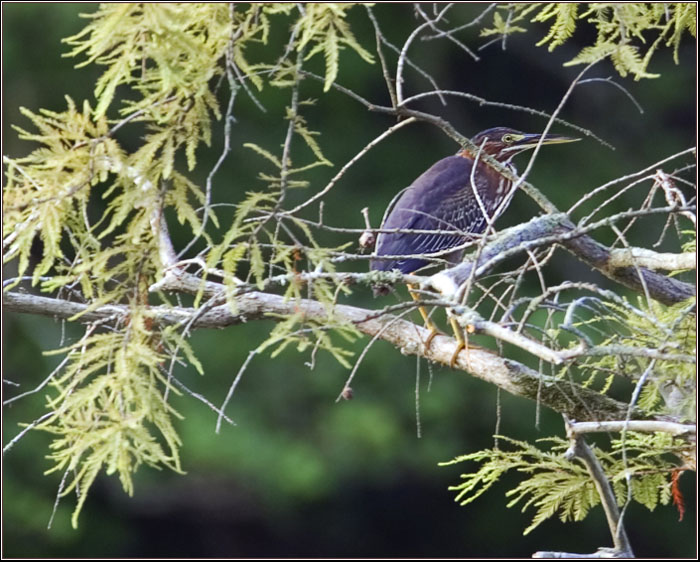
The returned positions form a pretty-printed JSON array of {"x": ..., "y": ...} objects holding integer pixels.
[{"x": 493, "y": 187}]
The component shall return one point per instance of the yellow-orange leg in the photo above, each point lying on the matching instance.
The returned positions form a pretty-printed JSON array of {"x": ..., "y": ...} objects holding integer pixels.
[
  {"x": 428, "y": 322},
  {"x": 462, "y": 336}
]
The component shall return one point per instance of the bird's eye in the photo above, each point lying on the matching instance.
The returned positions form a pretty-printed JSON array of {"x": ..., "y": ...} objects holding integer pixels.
[{"x": 508, "y": 138}]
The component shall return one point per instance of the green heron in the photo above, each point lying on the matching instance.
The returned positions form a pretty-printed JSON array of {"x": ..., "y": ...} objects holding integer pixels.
[{"x": 455, "y": 200}]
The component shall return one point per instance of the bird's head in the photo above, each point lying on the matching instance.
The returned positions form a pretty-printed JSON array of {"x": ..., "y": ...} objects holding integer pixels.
[{"x": 503, "y": 143}]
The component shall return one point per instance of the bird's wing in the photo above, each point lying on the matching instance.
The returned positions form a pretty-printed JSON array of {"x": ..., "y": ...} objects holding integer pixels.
[{"x": 432, "y": 202}]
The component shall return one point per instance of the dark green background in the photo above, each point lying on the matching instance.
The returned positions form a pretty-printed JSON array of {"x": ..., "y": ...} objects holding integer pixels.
[{"x": 301, "y": 475}]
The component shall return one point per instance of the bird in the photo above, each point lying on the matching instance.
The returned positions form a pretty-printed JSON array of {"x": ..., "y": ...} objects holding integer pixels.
[{"x": 457, "y": 198}]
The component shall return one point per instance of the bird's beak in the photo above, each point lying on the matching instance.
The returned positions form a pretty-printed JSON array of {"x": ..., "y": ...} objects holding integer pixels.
[{"x": 531, "y": 140}]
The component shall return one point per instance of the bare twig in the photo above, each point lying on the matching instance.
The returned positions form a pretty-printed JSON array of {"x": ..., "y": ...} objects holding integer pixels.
[
  {"x": 201, "y": 398},
  {"x": 396, "y": 50},
  {"x": 447, "y": 35},
  {"x": 620, "y": 87},
  {"x": 234, "y": 384},
  {"x": 454, "y": 30},
  {"x": 593, "y": 192},
  {"x": 514, "y": 107},
  {"x": 364, "y": 351},
  {"x": 228, "y": 119},
  {"x": 580, "y": 449},
  {"x": 29, "y": 427},
  {"x": 404, "y": 50},
  {"x": 380, "y": 52},
  {"x": 348, "y": 164}
]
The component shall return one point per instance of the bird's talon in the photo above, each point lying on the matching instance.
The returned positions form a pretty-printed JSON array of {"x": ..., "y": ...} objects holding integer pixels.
[
  {"x": 429, "y": 339},
  {"x": 455, "y": 355}
]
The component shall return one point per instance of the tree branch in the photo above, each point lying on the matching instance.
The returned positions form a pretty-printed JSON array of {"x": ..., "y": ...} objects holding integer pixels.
[
  {"x": 558, "y": 228},
  {"x": 579, "y": 448},
  {"x": 630, "y": 257},
  {"x": 603, "y": 552},
  {"x": 561, "y": 395},
  {"x": 646, "y": 426}
]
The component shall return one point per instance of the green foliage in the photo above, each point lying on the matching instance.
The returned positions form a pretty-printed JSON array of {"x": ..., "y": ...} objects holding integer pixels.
[
  {"x": 690, "y": 241},
  {"x": 563, "y": 26},
  {"x": 162, "y": 65},
  {"x": 167, "y": 53},
  {"x": 107, "y": 405},
  {"x": 310, "y": 335},
  {"x": 502, "y": 26},
  {"x": 651, "y": 345},
  {"x": 619, "y": 26},
  {"x": 108, "y": 409},
  {"x": 669, "y": 386},
  {"x": 554, "y": 485},
  {"x": 51, "y": 186},
  {"x": 323, "y": 25}
]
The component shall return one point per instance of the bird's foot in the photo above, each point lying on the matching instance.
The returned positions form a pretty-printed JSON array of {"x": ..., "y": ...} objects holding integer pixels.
[
  {"x": 462, "y": 337},
  {"x": 460, "y": 346},
  {"x": 433, "y": 332}
]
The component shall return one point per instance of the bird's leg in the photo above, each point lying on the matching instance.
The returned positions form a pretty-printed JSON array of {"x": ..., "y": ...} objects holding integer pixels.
[
  {"x": 412, "y": 290},
  {"x": 462, "y": 336}
]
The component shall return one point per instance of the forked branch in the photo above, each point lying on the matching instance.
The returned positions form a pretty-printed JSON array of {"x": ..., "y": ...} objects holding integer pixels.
[{"x": 559, "y": 229}]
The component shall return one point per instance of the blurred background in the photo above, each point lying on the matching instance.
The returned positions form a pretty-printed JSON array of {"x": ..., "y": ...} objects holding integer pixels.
[{"x": 300, "y": 475}]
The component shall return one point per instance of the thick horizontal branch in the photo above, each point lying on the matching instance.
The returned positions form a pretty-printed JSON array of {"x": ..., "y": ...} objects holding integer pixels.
[
  {"x": 558, "y": 228},
  {"x": 177, "y": 280},
  {"x": 563, "y": 396},
  {"x": 644, "y": 426},
  {"x": 664, "y": 289},
  {"x": 603, "y": 552},
  {"x": 625, "y": 257}
]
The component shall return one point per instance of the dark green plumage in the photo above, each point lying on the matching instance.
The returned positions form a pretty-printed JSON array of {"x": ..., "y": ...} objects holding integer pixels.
[{"x": 444, "y": 199}]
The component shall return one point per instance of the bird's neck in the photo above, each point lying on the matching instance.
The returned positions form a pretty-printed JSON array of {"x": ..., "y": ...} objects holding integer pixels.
[{"x": 505, "y": 159}]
